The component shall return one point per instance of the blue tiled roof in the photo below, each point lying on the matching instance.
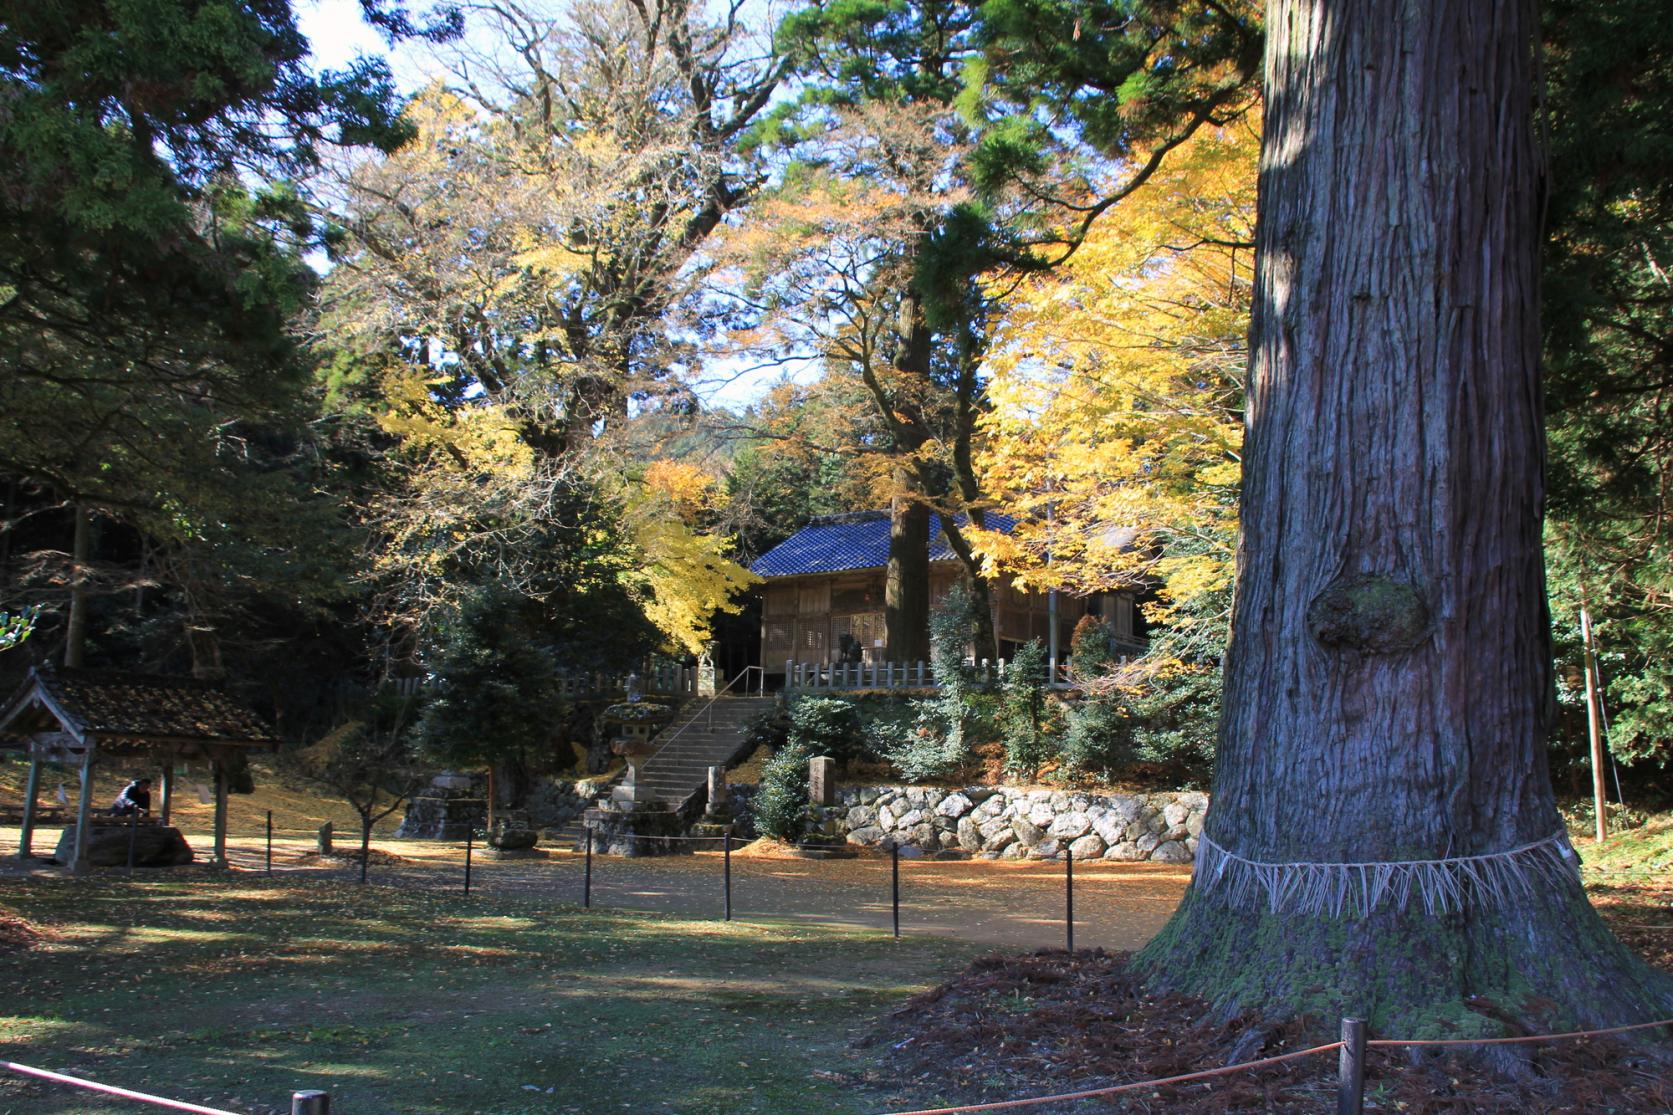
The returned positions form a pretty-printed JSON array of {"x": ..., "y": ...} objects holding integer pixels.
[{"x": 856, "y": 541}]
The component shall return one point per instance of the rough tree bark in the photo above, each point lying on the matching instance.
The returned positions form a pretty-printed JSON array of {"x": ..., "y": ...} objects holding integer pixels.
[
  {"x": 906, "y": 579},
  {"x": 1388, "y": 683}
]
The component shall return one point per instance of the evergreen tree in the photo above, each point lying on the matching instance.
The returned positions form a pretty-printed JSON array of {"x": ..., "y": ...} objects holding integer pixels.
[{"x": 1382, "y": 840}]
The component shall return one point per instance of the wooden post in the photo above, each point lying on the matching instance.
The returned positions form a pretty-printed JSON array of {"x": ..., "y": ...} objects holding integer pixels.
[
  {"x": 1593, "y": 725},
  {"x": 219, "y": 856},
  {"x": 27, "y": 836},
  {"x": 1350, "y": 1069},
  {"x": 166, "y": 810},
  {"x": 310, "y": 1103},
  {"x": 270, "y": 841},
  {"x": 78, "y": 865}
]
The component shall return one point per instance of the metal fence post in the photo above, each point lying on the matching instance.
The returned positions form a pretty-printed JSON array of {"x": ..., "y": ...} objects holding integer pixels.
[
  {"x": 470, "y": 844},
  {"x": 1069, "y": 899},
  {"x": 310, "y": 1103},
  {"x": 587, "y": 875},
  {"x": 726, "y": 869},
  {"x": 270, "y": 841},
  {"x": 1350, "y": 1069},
  {"x": 894, "y": 883}
]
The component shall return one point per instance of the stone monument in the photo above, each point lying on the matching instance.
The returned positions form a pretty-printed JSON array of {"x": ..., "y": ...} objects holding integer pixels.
[
  {"x": 717, "y": 817},
  {"x": 823, "y": 840},
  {"x": 821, "y": 780}
]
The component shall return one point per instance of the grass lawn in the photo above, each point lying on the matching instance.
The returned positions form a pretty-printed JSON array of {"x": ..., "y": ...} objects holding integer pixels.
[{"x": 235, "y": 992}]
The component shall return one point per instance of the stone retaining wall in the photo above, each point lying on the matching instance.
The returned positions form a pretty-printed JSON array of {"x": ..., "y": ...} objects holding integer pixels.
[{"x": 1005, "y": 823}]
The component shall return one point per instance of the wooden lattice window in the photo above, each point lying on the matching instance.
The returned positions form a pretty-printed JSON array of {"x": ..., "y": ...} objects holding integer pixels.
[{"x": 813, "y": 643}]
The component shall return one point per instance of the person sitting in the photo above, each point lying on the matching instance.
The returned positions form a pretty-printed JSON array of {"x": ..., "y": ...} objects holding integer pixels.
[{"x": 134, "y": 798}]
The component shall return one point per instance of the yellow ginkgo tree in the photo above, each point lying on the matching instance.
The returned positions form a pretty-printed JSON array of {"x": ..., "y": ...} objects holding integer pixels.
[{"x": 1116, "y": 389}]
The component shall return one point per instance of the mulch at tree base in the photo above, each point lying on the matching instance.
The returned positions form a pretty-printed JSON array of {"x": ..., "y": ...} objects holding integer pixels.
[
  {"x": 1011, "y": 1027},
  {"x": 18, "y": 933}
]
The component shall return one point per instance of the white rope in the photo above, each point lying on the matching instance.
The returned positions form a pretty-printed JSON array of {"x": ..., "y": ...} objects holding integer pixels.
[{"x": 1355, "y": 889}]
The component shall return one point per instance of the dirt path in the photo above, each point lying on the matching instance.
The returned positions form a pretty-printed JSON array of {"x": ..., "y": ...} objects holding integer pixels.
[
  {"x": 1004, "y": 904},
  {"x": 1011, "y": 905}
]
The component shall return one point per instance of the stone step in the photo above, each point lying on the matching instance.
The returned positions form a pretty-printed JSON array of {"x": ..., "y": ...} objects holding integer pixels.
[{"x": 697, "y": 739}]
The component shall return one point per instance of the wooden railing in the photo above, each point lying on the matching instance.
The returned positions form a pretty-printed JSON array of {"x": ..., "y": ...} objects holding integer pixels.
[{"x": 914, "y": 675}]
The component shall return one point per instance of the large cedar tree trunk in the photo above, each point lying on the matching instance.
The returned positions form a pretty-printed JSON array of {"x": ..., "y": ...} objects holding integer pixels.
[
  {"x": 906, "y": 580},
  {"x": 1388, "y": 683}
]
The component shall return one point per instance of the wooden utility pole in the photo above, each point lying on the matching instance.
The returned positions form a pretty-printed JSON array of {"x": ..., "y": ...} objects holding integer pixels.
[{"x": 1594, "y": 723}]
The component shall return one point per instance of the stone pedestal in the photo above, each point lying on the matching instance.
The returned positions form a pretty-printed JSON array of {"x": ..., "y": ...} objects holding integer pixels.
[
  {"x": 107, "y": 846},
  {"x": 443, "y": 814},
  {"x": 636, "y": 750},
  {"x": 512, "y": 837},
  {"x": 632, "y": 828}
]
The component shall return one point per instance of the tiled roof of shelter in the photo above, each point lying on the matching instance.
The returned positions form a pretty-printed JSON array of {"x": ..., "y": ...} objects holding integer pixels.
[
  {"x": 859, "y": 540},
  {"x": 136, "y": 707}
]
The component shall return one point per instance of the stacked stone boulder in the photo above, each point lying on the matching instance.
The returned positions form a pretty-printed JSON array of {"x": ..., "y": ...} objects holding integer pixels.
[{"x": 1006, "y": 823}]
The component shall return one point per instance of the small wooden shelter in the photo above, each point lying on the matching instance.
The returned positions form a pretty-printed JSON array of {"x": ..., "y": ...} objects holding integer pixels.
[{"x": 82, "y": 717}]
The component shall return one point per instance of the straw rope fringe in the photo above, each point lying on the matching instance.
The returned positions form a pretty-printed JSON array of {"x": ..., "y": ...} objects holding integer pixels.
[{"x": 1356, "y": 889}]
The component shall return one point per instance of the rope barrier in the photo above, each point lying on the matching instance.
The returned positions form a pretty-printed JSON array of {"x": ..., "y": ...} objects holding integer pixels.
[
  {"x": 1092, "y": 1093},
  {"x": 1384, "y": 1043},
  {"x": 112, "y": 1090},
  {"x": 1392, "y": 1042}
]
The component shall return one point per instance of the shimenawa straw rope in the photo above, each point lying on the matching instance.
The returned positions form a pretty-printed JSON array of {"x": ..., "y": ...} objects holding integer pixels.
[{"x": 1356, "y": 889}]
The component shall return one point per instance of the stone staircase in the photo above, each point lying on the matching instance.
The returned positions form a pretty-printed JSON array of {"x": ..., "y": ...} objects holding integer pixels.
[{"x": 700, "y": 736}]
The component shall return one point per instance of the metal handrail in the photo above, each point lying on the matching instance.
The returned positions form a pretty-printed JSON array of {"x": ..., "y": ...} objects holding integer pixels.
[{"x": 709, "y": 708}]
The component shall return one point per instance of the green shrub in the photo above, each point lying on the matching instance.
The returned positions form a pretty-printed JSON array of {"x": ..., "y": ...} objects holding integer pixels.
[
  {"x": 1090, "y": 647},
  {"x": 769, "y": 729},
  {"x": 937, "y": 744},
  {"x": 827, "y": 726},
  {"x": 780, "y": 804},
  {"x": 1167, "y": 724},
  {"x": 1022, "y": 708}
]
